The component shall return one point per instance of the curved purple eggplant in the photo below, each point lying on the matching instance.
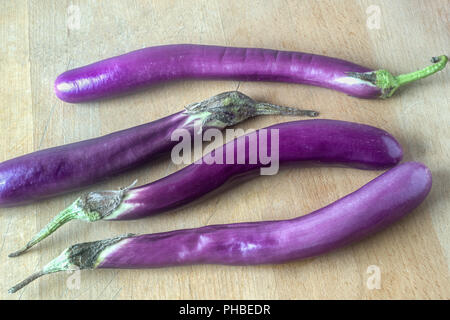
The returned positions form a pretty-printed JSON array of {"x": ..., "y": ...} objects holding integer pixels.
[
  {"x": 320, "y": 141},
  {"x": 371, "y": 208},
  {"x": 159, "y": 64},
  {"x": 58, "y": 170}
]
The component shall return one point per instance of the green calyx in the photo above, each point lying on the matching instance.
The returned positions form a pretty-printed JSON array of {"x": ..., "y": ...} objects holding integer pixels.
[
  {"x": 386, "y": 82},
  {"x": 389, "y": 83},
  {"x": 229, "y": 108}
]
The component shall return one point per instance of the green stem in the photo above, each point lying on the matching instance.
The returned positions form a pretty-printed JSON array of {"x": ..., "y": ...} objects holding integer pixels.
[
  {"x": 61, "y": 263},
  {"x": 93, "y": 206},
  {"x": 439, "y": 64},
  {"x": 77, "y": 257},
  {"x": 389, "y": 83},
  {"x": 70, "y": 213},
  {"x": 263, "y": 108},
  {"x": 223, "y": 110},
  {"x": 31, "y": 278}
]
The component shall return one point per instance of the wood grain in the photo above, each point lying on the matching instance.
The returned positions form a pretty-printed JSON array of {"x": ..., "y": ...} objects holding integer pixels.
[{"x": 40, "y": 39}]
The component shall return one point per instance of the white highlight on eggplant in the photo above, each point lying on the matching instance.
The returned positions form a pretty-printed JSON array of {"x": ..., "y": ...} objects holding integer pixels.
[
  {"x": 245, "y": 247},
  {"x": 124, "y": 206},
  {"x": 80, "y": 83},
  {"x": 110, "y": 250},
  {"x": 202, "y": 242},
  {"x": 183, "y": 253},
  {"x": 351, "y": 81},
  {"x": 393, "y": 149},
  {"x": 64, "y": 86}
]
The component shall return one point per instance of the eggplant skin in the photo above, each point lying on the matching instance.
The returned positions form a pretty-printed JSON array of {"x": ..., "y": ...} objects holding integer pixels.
[
  {"x": 371, "y": 208},
  {"x": 50, "y": 172},
  {"x": 319, "y": 141},
  {"x": 153, "y": 65},
  {"x": 54, "y": 171}
]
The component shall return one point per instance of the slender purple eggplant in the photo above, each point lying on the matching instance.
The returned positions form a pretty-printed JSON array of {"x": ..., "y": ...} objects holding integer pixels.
[
  {"x": 58, "y": 170},
  {"x": 319, "y": 141},
  {"x": 371, "y": 208},
  {"x": 144, "y": 67}
]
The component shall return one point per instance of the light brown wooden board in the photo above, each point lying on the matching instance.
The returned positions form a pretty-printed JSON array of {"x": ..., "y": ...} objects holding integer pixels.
[{"x": 40, "y": 39}]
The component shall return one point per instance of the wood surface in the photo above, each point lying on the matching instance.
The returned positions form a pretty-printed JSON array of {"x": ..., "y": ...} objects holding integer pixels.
[{"x": 41, "y": 39}]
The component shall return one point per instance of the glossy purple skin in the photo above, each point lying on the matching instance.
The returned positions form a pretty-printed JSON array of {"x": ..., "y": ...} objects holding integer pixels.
[
  {"x": 69, "y": 167},
  {"x": 319, "y": 141},
  {"x": 158, "y": 64},
  {"x": 373, "y": 207}
]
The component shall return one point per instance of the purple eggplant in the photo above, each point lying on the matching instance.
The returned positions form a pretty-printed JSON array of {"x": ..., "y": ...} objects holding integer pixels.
[
  {"x": 153, "y": 65},
  {"x": 318, "y": 141},
  {"x": 371, "y": 208},
  {"x": 58, "y": 170}
]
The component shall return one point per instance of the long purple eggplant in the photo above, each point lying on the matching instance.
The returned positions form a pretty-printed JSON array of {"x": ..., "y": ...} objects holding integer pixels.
[
  {"x": 373, "y": 207},
  {"x": 320, "y": 141},
  {"x": 159, "y": 64},
  {"x": 58, "y": 170}
]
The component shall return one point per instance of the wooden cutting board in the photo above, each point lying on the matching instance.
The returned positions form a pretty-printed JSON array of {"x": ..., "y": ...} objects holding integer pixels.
[{"x": 40, "y": 39}]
